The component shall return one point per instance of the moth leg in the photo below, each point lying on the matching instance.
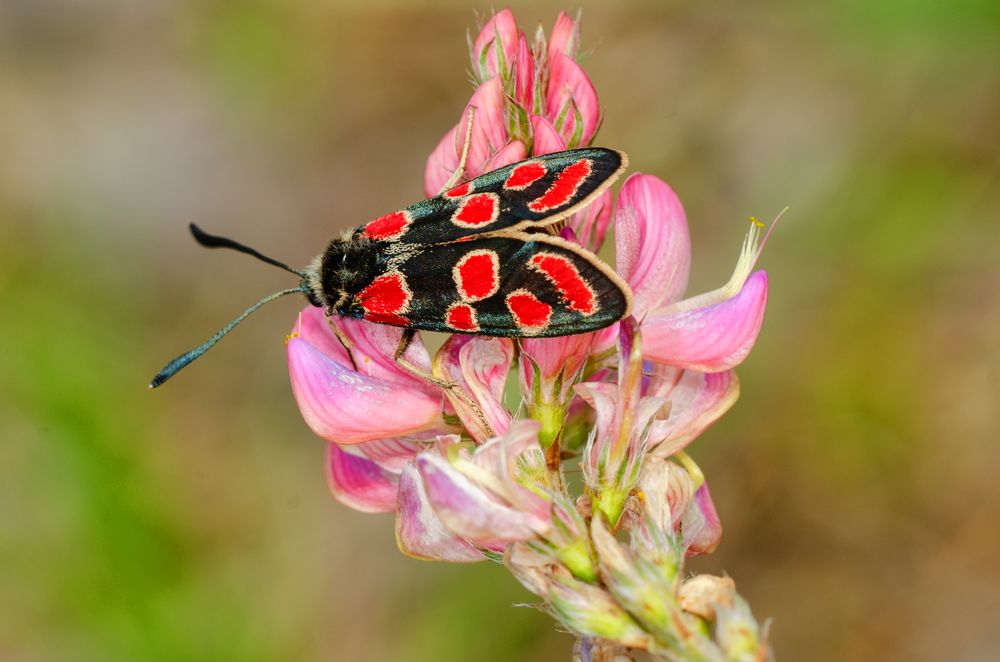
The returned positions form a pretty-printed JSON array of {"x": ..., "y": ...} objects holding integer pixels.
[
  {"x": 446, "y": 384},
  {"x": 457, "y": 175},
  {"x": 344, "y": 340}
]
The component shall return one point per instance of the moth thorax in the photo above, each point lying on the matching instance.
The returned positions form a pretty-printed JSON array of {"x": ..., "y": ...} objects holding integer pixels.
[{"x": 346, "y": 267}]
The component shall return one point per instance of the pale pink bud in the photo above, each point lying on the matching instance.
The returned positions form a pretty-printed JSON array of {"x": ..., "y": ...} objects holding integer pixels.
[
  {"x": 565, "y": 36},
  {"x": 546, "y": 139},
  {"x": 524, "y": 74}
]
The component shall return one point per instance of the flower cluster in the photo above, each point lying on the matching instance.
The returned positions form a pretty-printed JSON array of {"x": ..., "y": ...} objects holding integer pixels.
[{"x": 472, "y": 474}]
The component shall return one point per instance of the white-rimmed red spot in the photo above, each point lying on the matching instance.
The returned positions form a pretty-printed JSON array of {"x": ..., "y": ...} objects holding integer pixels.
[
  {"x": 459, "y": 191},
  {"x": 461, "y": 317},
  {"x": 477, "y": 210},
  {"x": 530, "y": 314},
  {"x": 386, "y": 299},
  {"x": 563, "y": 189},
  {"x": 566, "y": 278},
  {"x": 477, "y": 275},
  {"x": 390, "y": 226},
  {"x": 525, "y": 175}
]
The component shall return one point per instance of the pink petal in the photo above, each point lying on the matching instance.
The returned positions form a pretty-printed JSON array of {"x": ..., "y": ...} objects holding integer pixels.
[
  {"x": 546, "y": 139},
  {"x": 569, "y": 93},
  {"x": 701, "y": 527},
  {"x": 512, "y": 152},
  {"x": 390, "y": 454},
  {"x": 524, "y": 74},
  {"x": 652, "y": 243},
  {"x": 565, "y": 36},
  {"x": 592, "y": 223},
  {"x": 496, "y": 45},
  {"x": 506, "y": 458},
  {"x": 347, "y": 407},
  {"x": 552, "y": 356},
  {"x": 419, "y": 531},
  {"x": 359, "y": 483},
  {"x": 697, "y": 400},
  {"x": 442, "y": 163},
  {"x": 489, "y": 127},
  {"x": 469, "y": 511},
  {"x": 480, "y": 366},
  {"x": 711, "y": 339}
]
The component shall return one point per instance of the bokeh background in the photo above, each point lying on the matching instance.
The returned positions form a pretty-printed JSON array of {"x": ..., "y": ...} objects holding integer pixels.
[{"x": 857, "y": 477}]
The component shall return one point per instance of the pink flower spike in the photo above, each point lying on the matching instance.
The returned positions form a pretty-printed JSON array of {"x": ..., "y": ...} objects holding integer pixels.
[
  {"x": 419, "y": 531},
  {"x": 591, "y": 224},
  {"x": 495, "y": 48},
  {"x": 565, "y": 36},
  {"x": 571, "y": 102},
  {"x": 710, "y": 339},
  {"x": 358, "y": 482},
  {"x": 697, "y": 400},
  {"x": 546, "y": 139},
  {"x": 479, "y": 365},
  {"x": 348, "y": 406},
  {"x": 512, "y": 152},
  {"x": 441, "y": 164},
  {"x": 653, "y": 248},
  {"x": 489, "y": 127}
]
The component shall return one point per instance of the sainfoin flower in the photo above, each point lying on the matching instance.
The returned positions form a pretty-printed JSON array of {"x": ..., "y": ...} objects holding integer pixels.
[{"x": 474, "y": 474}]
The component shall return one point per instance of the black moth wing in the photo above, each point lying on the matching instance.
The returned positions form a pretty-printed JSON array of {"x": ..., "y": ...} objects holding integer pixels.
[
  {"x": 513, "y": 285},
  {"x": 538, "y": 191}
]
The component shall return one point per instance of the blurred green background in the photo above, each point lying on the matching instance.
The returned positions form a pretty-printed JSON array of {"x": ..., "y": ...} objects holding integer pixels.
[{"x": 856, "y": 477}]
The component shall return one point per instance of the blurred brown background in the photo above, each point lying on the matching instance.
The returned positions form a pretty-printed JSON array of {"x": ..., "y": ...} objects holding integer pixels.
[{"x": 856, "y": 477}]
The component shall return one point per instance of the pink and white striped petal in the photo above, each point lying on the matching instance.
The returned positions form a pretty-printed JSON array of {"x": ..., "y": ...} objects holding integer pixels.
[
  {"x": 489, "y": 127},
  {"x": 358, "y": 482},
  {"x": 571, "y": 101},
  {"x": 713, "y": 338},
  {"x": 479, "y": 365},
  {"x": 420, "y": 533},
  {"x": 524, "y": 74},
  {"x": 653, "y": 248},
  {"x": 471, "y": 512},
  {"x": 697, "y": 400}
]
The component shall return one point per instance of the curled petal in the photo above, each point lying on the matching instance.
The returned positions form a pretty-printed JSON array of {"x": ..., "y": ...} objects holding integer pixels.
[
  {"x": 512, "y": 152},
  {"x": 701, "y": 525},
  {"x": 347, "y": 407},
  {"x": 442, "y": 163},
  {"x": 713, "y": 338},
  {"x": 591, "y": 224},
  {"x": 652, "y": 243},
  {"x": 571, "y": 101},
  {"x": 471, "y": 512},
  {"x": 565, "y": 36},
  {"x": 489, "y": 127},
  {"x": 546, "y": 139},
  {"x": 495, "y": 46},
  {"x": 360, "y": 483},
  {"x": 697, "y": 400},
  {"x": 479, "y": 365},
  {"x": 419, "y": 531}
]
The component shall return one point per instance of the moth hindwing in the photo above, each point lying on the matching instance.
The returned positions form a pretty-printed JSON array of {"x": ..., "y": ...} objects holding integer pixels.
[{"x": 472, "y": 260}]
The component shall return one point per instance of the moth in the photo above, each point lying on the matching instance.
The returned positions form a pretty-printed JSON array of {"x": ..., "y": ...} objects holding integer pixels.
[{"x": 481, "y": 258}]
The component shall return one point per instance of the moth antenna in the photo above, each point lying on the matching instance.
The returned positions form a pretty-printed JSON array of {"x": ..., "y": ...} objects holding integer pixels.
[
  {"x": 215, "y": 241},
  {"x": 184, "y": 359}
]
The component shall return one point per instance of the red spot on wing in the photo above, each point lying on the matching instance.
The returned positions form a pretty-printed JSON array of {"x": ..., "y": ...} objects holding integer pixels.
[
  {"x": 390, "y": 226},
  {"x": 477, "y": 275},
  {"x": 459, "y": 191},
  {"x": 567, "y": 280},
  {"x": 386, "y": 298},
  {"x": 530, "y": 314},
  {"x": 525, "y": 175},
  {"x": 461, "y": 317},
  {"x": 564, "y": 188},
  {"x": 477, "y": 210}
]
